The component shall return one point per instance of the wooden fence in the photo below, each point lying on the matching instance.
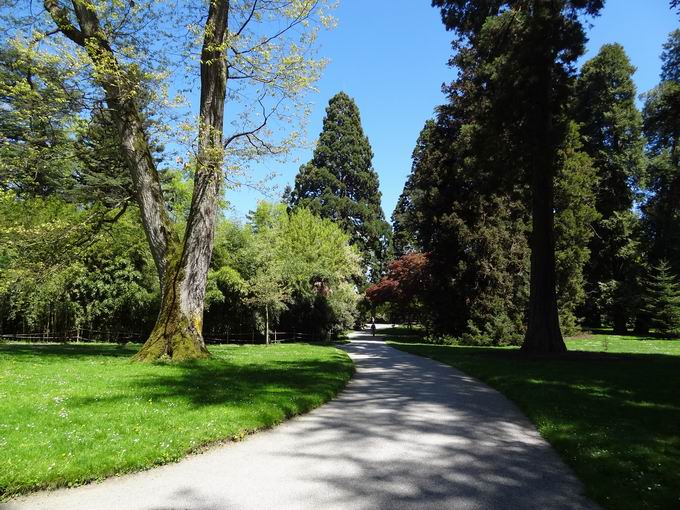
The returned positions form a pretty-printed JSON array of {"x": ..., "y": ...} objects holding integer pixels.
[{"x": 83, "y": 335}]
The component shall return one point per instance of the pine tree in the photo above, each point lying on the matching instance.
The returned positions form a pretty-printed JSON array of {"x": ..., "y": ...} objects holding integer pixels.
[
  {"x": 663, "y": 300},
  {"x": 340, "y": 183},
  {"x": 405, "y": 228}
]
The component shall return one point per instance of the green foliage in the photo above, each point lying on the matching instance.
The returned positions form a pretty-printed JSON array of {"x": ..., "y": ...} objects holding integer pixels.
[
  {"x": 77, "y": 413},
  {"x": 612, "y": 128},
  {"x": 575, "y": 212},
  {"x": 474, "y": 230},
  {"x": 516, "y": 63},
  {"x": 340, "y": 183},
  {"x": 662, "y": 299},
  {"x": 295, "y": 267},
  {"x": 60, "y": 272},
  {"x": 52, "y": 143}
]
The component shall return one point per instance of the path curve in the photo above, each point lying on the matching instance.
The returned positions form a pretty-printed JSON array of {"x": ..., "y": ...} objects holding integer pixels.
[{"x": 407, "y": 432}]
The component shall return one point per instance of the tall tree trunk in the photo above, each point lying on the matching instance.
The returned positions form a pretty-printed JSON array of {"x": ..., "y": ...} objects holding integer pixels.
[
  {"x": 180, "y": 322},
  {"x": 182, "y": 264},
  {"x": 543, "y": 332}
]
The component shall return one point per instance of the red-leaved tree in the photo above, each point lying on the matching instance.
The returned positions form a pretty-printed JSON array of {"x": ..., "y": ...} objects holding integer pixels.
[{"x": 406, "y": 280}]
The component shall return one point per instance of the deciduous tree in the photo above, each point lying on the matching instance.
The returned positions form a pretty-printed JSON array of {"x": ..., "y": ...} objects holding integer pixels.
[{"x": 252, "y": 52}]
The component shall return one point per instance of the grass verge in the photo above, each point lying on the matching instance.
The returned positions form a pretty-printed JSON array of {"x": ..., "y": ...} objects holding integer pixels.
[
  {"x": 613, "y": 416},
  {"x": 75, "y": 413},
  {"x": 415, "y": 331}
]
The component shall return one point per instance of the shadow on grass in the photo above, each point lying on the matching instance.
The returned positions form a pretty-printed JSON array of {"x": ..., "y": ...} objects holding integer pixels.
[
  {"x": 292, "y": 386},
  {"x": 24, "y": 351},
  {"x": 614, "y": 417},
  {"x": 217, "y": 382}
]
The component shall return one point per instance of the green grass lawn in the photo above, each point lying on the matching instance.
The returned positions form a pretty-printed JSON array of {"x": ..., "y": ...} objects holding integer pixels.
[
  {"x": 75, "y": 413},
  {"x": 614, "y": 416}
]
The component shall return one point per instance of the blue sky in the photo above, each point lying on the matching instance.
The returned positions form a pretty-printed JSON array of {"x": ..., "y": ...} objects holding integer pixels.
[{"x": 390, "y": 56}]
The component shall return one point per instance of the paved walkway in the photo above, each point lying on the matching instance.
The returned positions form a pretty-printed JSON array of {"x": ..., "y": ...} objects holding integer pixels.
[{"x": 407, "y": 432}]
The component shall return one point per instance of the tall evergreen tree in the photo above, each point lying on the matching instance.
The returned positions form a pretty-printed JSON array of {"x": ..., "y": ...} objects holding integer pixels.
[
  {"x": 527, "y": 51},
  {"x": 661, "y": 211},
  {"x": 612, "y": 129},
  {"x": 405, "y": 228},
  {"x": 340, "y": 183}
]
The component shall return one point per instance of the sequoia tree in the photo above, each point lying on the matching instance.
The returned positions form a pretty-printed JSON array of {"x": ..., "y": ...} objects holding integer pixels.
[
  {"x": 535, "y": 45},
  {"x": 238, "y": 59},
  {"x": 340, "y": 183}
]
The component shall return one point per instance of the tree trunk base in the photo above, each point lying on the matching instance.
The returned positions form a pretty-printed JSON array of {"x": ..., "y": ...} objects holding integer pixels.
[
  {"x": 545, "y": 341},
  {"x": 175, "y": 340}
]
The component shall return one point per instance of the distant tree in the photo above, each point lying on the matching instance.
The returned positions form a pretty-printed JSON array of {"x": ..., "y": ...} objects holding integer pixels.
[
  {"x": 406, "y": 236},
  {"x": 340, "y": 183},
  {"x": 471, "y": 222},
  {"x": 403, "y": 235},
  {"x": 611, "y": 126},
  {"x": 292, "y": 270},
  {"x": 406, "y": 282},
  {"x": 266, "y": 289},
  {"x": 662, "y": 299}
]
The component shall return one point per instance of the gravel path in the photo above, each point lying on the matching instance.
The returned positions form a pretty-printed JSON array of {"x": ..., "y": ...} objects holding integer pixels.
[{"x": 407, "y": 432}]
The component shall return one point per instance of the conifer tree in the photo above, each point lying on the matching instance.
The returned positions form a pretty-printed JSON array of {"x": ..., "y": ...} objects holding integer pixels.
[
  {"x": 661, "y": 211},
  {"x": 611, "y": 126},
  {"x": 575, "y": 212},
  {"x": 340, "y": 183},
  {"x": 526, "y": 51},
  {"x": 663, "y": 300}
]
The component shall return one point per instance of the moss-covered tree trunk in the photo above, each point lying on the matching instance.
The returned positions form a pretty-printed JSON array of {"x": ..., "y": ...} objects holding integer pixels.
[{"x": 177, "y": 334}]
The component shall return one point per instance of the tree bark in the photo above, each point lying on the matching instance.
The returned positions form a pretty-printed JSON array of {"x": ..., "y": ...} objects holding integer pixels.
[
  {"x": 180, "y": 322},
  {"x": 182, "y": 264},
  {"x": 543, "y": 331}
]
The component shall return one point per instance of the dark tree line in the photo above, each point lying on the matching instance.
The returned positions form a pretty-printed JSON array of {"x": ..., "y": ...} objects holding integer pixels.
[{"x": 541, "y": 194}]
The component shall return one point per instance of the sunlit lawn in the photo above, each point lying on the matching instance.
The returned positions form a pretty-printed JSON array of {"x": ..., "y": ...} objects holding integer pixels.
[
  {"x": 73, "y": 413},
  {"x": 614, "y": 416}
]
